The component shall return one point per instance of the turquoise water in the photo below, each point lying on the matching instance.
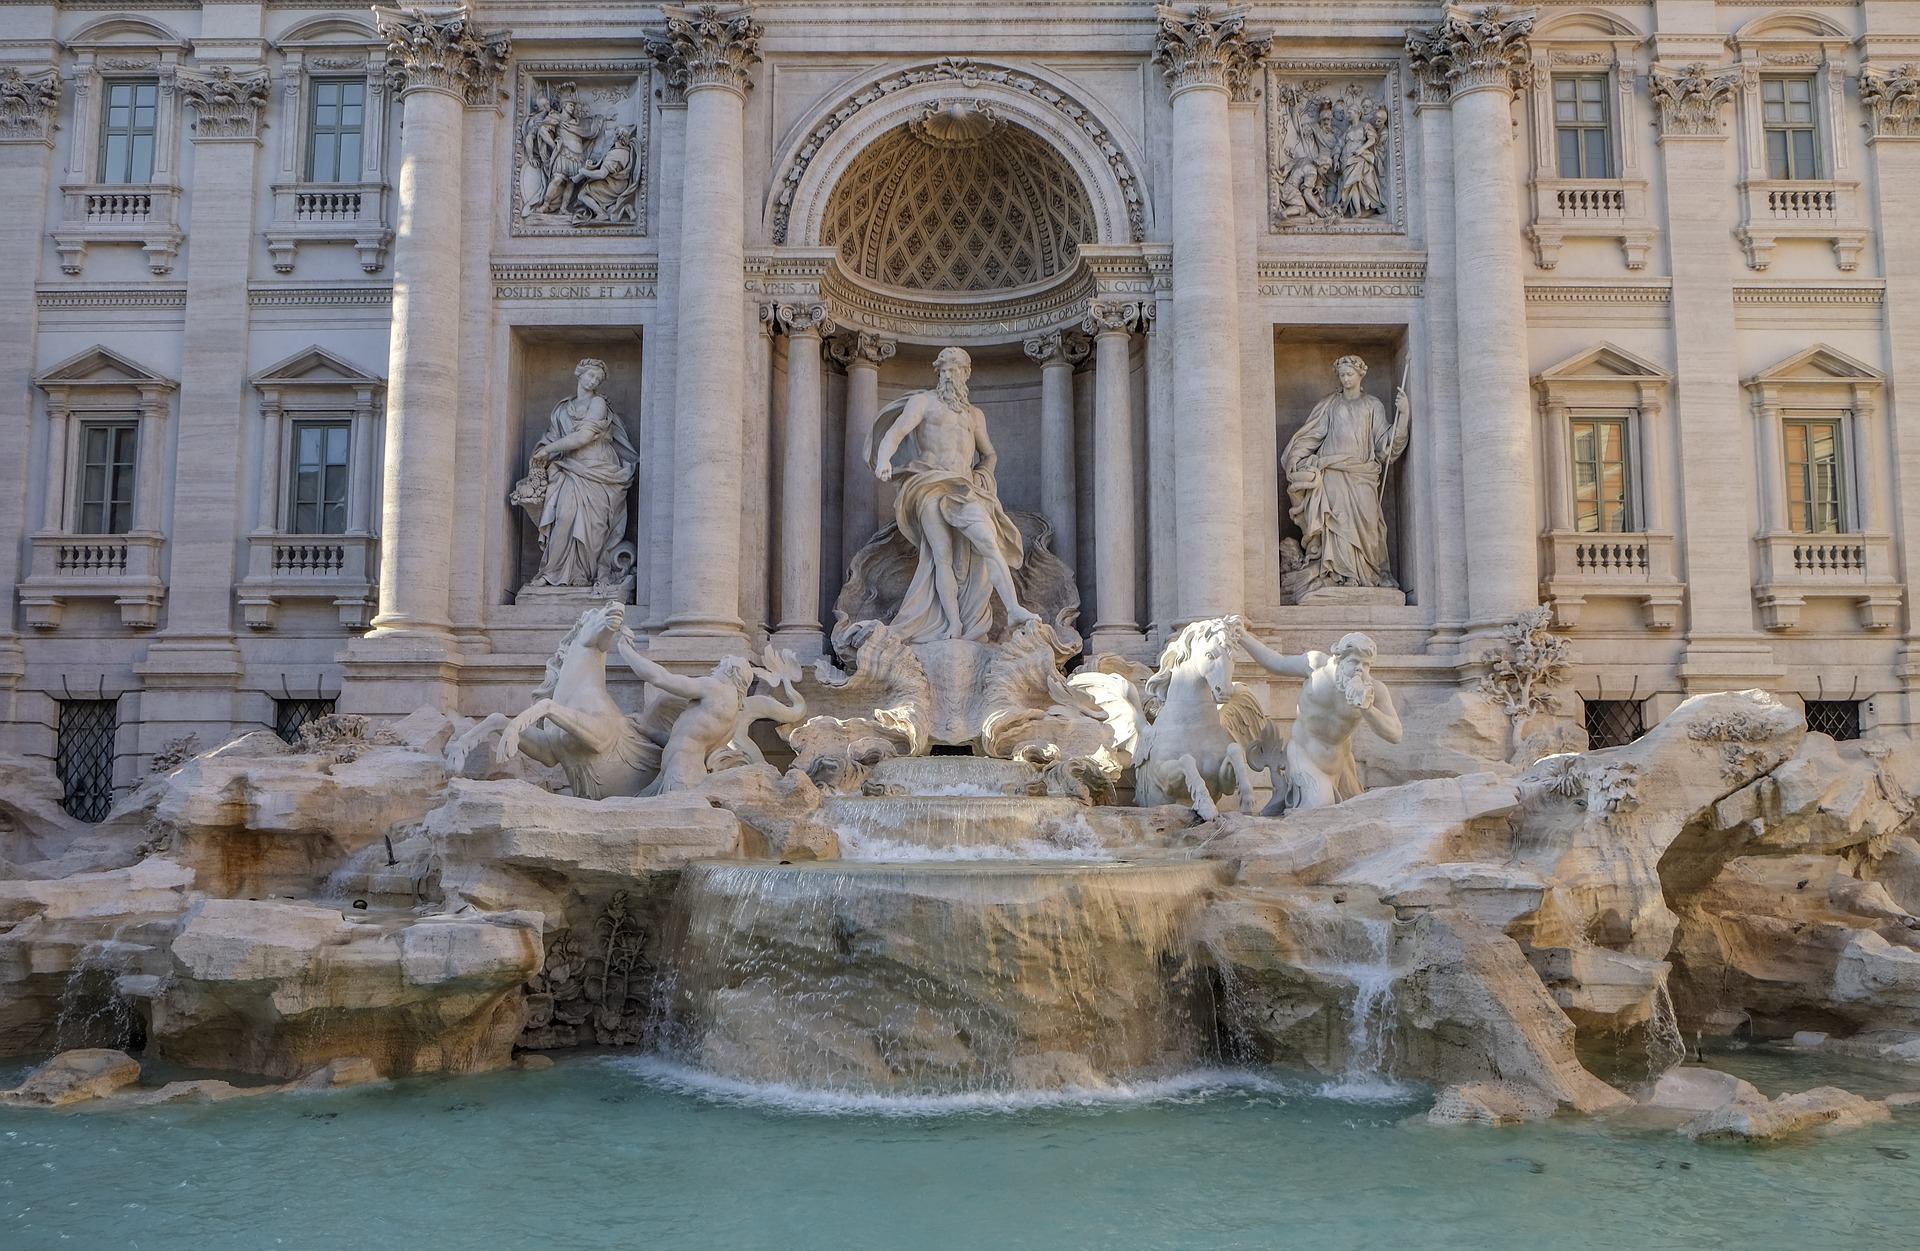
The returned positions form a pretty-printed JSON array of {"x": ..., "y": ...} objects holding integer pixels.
[{"x": 613, "y": 1152}]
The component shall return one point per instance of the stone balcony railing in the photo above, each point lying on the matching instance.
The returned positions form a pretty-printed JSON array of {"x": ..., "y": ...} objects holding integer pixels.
[
  {"x": 1774, "y": 209},
  {"x": 124, "y": 568},
  {"x": 1567, "y": 208},
  {"x": 1794, "y": 568},
  {"x": 307, "y": 212},
  {"x": 1638, "y": 567},
  {"x": 335, "y": 567},
  {"x": 97, "y": 213}
]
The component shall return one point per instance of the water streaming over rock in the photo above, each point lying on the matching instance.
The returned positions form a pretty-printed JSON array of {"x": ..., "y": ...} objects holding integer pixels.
[{"x": 93, "y": 1012}]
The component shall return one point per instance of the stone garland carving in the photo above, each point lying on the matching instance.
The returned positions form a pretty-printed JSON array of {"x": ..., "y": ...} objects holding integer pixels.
[
  {"x": 968, "y": 74},
  {"x": 708, "y": 46},
  {"x": 439, "y": 49},
  {"x": 1892, "y": 98},
  {"x": 1692, "y": 99},
  {"x": 1208, "y": 47},
  {"x": 1336, "y": 466},
  {"x": 228, "y": 103},
  {"x": 575, "y": 492},
  {"x": 27, "y": 104},
  {"x": 578, "y": 165},
  {"x": 1327, "y": 159},
  {"x": 1473, "y": 49}
]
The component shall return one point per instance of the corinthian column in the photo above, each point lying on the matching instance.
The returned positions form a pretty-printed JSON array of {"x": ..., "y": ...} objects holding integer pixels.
[
  {"x": 1056, "y": 354},
  {"x": 1208, "y": 58},
  {"x": 1478, "y": 58},
  {"x": 443, "y": 65},
  {"x": 860, "y": 354},
  {"x": 709, "y": 52},
  {"x": 799, "y": 611},
  {"x": 1115, "y": 571}
]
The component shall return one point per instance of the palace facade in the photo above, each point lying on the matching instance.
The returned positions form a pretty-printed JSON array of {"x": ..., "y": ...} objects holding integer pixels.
[{"x": 294, "y": 291}]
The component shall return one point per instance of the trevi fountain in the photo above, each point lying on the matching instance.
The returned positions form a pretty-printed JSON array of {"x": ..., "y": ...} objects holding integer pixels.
[{"x": 1258, "y": 906}]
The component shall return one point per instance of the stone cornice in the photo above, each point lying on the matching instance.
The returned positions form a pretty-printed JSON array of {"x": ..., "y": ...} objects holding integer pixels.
[
  {"x": 1892, "y": 97},
  {"x": 708, "y": 46},
  {"x": 227, "y": 103},
  {"x": 1473, "y": 49},
  {"x": 28, "y": 102},
  {"x": 1692, "y": 100},
  {"x": 1208, "y": 47},
  {"x": 438, "y": 49}
]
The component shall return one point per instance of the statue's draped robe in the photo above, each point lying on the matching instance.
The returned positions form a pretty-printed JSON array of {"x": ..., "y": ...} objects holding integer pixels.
[
  {"x": 585, "y": 518},
  {"x": 961, "y": 501},
  {"x": 1343, "y": 530}
]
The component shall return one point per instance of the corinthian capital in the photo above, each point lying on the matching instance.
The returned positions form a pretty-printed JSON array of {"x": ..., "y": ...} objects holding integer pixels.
[
  {"x": 708, "y": 46},
  {"x": 1117, "y": 316},
  {"x": 1692, "y": 100},
  {"x": 861, "y": 347},
  {"x": 27, "y": 105},
  {"x": 439, "y": 49},
  {"x": 1892, "y": 97},
  {"x": 1473, "y": 49},
  {"x": 227, "y": 104},
  {"x": 1208, "y": 47}
]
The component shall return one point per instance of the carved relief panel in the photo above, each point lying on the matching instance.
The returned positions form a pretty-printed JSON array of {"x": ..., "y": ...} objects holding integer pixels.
[
  {"x": 1334, "y": 163},
  {"x": 580, "y": 148}
]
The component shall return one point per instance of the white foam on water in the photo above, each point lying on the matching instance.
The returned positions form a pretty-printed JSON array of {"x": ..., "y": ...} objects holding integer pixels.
[
  {"x": 1189, "y": 1087},
  {"x": 1364, "y": 1089}
]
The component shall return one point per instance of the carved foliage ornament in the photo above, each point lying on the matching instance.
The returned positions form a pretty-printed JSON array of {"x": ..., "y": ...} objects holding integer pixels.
[
  {"x": 1208, "y": 47},
  {"x": 1473, "y": 49},
  {"x": 708, "y": 46},
  {"x": 228, "y": 103},
  {"x": 27, "y": 104},
  {"x": 1892, "y": 98},
  {"x": 1691, "y": 100},
  {"x": 794, "y": 318},
  {"x": 438, "y": 49},
  {"x": 1113, "y": 315}
]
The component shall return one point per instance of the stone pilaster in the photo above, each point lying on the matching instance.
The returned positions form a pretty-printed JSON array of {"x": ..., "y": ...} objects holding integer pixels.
[
  {"x": 1057, "y": 353},
  {"x": 861, "y": 355},
  {"x": 1208, "y": 57},
  {"x": 800, "y": 474},
  {"x": 1116, "y": 621},
  {"x": 709, "y": 52},
  {"x": 1478, "y": 58}
]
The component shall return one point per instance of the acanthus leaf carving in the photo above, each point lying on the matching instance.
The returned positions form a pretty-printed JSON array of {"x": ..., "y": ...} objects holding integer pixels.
[
  {"x": 1473, "y": 49},
  {"x": 1892, "y": 97},
  {"x": 861, "y": 345},
  {"x": 1208, "y": 47},
  {"x": 227, "y": 102},
  {"x": 804, "y": 317},
  {"x": 439, "y": 49},
  {"x": 1692, "y": 99},
  {"x": 708, "y": 46},
  {"x": 27, "y": 104}
]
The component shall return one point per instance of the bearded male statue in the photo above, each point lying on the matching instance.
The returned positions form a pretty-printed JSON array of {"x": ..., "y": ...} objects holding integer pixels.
[
  {"x": 948, "y": 508},
  {"x": 1340, "y": 693},
  {"x": 1336, "y": 467}
]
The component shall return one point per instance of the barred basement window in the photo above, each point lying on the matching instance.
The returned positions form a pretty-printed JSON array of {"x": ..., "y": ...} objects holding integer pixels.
[
  {"x": 290, "y": 714},
  {"x": 1838, "y": 719},
  {"x": 83, "y": 756},
  {"x": 1614, "y": 722}
]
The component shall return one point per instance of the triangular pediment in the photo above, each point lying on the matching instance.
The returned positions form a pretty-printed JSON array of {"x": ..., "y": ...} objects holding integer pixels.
[
  {"x": 101, "y": 367},
  {"x": 316, "y": 367},
  {"x": 1604, "y": 362},
  {"x": 1818, "y": 363}
]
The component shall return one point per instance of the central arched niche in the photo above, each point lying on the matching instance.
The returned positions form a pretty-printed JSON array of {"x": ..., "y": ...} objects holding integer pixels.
[{"x": 956, "y": 201}]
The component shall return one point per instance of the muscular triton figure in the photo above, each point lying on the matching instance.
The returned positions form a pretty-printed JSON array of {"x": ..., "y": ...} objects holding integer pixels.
[{"x": 948, "y": 508}]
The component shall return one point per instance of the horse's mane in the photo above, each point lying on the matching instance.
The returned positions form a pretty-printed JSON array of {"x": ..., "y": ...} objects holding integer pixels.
[{"x": 1178, "y": 651}]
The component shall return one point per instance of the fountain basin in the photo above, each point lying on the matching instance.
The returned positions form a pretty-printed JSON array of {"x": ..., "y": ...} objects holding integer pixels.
[
  {"x": 938, "y": 977},
  {"x": 960, "y": 821}
]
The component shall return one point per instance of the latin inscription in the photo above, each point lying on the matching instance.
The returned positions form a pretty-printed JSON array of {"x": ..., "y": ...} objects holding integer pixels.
[{"x": 573, "y": 291}]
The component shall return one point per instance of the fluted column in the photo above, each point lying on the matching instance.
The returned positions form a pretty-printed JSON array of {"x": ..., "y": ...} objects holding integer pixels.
[
  {"x": 444, "y": 65},
  {"x": 860, "y": 354},
  {"x": 1057, "y": 353},
  {"x": 709, "y": 52},
  {"x": 799, "y": 610},
  {"x": 1115, "y": 556},
  {"x": 1208, "y": 59},
  {"x": 1480, "y": 57}
]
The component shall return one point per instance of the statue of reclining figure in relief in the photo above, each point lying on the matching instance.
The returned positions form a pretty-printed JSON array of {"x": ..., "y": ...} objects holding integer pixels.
[{"x": 691, "y": 725}]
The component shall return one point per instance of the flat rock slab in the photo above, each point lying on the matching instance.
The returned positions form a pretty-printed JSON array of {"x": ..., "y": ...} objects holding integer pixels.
[{"x": 76, "y": 1077}]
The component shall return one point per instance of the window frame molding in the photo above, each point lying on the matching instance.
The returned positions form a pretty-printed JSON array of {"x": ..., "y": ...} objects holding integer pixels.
[
  {"x": 356, "y": 212},
  {"x": 1588, "y": 44}
]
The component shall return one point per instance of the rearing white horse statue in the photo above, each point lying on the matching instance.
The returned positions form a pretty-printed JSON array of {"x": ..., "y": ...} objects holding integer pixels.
[{"x": 1187, "y": 753}]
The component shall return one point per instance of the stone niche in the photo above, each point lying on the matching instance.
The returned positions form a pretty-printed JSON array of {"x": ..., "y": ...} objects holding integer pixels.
[
  {"x": 1303, "y": 358},
  {"x": 542, "y": 376}
]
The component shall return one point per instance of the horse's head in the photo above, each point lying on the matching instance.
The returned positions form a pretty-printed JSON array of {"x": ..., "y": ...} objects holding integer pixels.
[
  {"x": 600, "y": 628},
  {"x": 1203, "y": 650}
]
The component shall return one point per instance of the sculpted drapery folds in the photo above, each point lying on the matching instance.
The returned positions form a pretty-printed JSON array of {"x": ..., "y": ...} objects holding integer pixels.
[
  {"x": 437, "y": 48},
  {"x": 1336, "y": 467},
  {"x": 948, "y": 508},
  {"x": 576, "y": 488}
]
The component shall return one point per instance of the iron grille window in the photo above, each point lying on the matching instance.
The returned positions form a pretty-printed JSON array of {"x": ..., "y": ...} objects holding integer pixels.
[
  {"x": 1582, "y": 127},
  {"x": 1838, "y": 719},
  {"x": 109, "y": 452},
  {"x": 1614, "y": 722},
  {"x": 1601, "y": 487},
  {"x": 334, "y": 129},
  {"x": 83, "y": 756},
  {"x": 1786, "y": 114},
  {"x": 1814, "y": 477},
  {"x": 127, "y": 131},
  {"x": 290, "y": 714},
  {"x": 318, "y": 498}
]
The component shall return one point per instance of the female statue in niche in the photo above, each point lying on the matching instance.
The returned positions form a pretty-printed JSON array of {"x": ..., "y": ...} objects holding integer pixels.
[
  {"x": 1336, "y": 468},
  {"x": 576, "y": 489}
]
